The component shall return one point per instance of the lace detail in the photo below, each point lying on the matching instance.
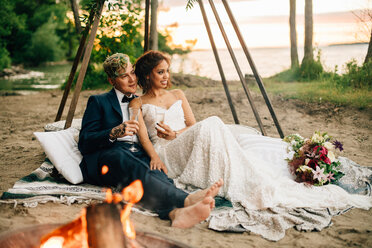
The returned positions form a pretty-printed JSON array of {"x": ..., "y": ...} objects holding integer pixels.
[
  {"x": 253, "y": 167},
  {"x": 173, "y": 117}
]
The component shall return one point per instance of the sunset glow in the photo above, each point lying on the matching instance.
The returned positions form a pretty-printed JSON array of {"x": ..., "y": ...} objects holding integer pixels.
[{"x": 264, "y": 23}]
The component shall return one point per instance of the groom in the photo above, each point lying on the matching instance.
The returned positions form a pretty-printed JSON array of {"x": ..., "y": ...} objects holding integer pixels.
[{"x": 104, "y": 143}]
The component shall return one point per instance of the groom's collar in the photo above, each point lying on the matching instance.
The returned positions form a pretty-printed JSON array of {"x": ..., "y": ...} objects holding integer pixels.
[{"x": 120, "y": 95}]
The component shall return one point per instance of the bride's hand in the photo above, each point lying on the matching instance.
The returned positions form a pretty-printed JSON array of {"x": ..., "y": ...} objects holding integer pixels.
[
  {"x": 157, "y": 164},
  {"x": 165, "y": 132}
]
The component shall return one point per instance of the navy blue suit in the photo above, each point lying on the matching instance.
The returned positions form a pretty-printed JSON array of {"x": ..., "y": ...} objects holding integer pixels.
[{"x": 101, "y": 115}]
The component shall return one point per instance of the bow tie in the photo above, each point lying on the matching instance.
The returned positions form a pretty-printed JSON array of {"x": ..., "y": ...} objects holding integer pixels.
[{"x": 127, "y": 98}]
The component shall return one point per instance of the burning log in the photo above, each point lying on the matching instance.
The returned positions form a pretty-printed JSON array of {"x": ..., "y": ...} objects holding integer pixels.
[
  {"x": 104, "y": 226},
  {"x": 99, "y": 226}
]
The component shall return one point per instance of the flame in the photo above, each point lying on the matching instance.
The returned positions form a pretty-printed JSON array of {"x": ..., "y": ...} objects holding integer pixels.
[
  {"x": 132, "y": 194},
  {"x": 74, "y": 234},
  {"x": 104, "y": 169},
  {"x": 108, "y": 196},
  {"x": 53, "y": 242}
]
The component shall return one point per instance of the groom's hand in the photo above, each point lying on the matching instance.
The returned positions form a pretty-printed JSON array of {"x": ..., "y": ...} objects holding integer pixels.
[{"x": 127, "y": 128}]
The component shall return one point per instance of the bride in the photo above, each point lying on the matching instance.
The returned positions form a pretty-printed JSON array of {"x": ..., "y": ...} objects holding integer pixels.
[{"x": 253, "y": 167}]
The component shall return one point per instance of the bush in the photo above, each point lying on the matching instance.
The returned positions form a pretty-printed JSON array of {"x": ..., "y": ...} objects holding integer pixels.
[
  {"x": 4, "y": 58},
  {"x": 45, "y": 45},
  {"x": 309, "y": 70},
  {"x": 95, "y": 78},
  {"x": 355, "y": 76}
]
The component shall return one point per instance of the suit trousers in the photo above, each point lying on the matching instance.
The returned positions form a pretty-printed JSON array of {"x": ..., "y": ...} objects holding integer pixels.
[{"x": 160, "y": 194}]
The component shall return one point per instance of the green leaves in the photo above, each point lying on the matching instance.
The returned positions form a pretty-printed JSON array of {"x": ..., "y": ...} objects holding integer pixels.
[{"x": 190, "y": 4}]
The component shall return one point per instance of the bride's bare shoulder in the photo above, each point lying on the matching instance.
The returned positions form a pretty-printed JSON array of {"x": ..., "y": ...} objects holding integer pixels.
[{"x": 178, "y": 93}]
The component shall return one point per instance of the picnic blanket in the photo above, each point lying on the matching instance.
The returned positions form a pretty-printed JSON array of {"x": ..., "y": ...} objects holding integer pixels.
[{"x": 45, "y": 185}]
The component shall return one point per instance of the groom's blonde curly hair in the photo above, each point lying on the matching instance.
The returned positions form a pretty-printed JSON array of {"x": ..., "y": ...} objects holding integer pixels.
[
  {"x": 114, "y": 63},
  {"x": 145, "y": 64}
]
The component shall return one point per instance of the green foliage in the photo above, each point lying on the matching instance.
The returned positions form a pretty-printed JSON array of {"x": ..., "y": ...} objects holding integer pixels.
[
  {"x": 4, "y": 58},
  {"x": 95, "y": 78},
  {"x": 120, "y": 32},
  {"x": 358, "y": 77},
  {"x": 190, "y": 4},
  {"x": 310, "y": 70},
  {"x": 24, "y": 18},
  {"x": 45, "y": 44},
  {"x": 8, "y": 22}
]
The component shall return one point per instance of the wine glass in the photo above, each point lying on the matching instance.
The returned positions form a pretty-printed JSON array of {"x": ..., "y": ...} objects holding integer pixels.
[
  {"x": 159, "y": 116},
  {"x": 160, "y": 113},
  {"x": 133, "y": 115}
]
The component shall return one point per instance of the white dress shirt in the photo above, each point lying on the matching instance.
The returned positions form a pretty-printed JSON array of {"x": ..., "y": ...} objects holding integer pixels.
[{"x": 125, "y": 114}]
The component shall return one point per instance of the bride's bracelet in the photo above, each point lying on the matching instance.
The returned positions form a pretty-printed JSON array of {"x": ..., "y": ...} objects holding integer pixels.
[{"x": 176, "y": 133}]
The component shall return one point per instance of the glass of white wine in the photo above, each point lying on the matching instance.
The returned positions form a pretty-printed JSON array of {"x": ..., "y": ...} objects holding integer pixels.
[
  {"x": 133, "y": 115},
  {"x": 160, "y": 113}
]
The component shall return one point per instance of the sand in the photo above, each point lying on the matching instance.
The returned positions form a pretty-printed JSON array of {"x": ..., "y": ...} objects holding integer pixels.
[{"x": 21, "y": 115}]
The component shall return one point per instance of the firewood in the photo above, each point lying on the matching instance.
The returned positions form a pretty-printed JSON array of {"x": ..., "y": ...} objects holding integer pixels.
[{"x": 104, "y": 226}]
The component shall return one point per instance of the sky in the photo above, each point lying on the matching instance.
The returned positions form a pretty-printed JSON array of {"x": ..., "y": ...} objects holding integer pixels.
[{"x": 263, "y": 23}]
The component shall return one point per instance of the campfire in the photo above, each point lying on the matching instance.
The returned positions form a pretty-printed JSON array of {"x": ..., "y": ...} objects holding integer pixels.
[{"x": 101, "y": 225}]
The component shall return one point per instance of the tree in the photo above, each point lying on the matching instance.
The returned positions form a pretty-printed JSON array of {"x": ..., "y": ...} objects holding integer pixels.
[
  {"x": 308, "y": 48},
  {"x": 293, "y": 34},
  {"x": 75, "y": 10},
  {"x": 364, "y": 17},
  {"x": 154, "y": 25},
  {"x": 369, "y": 52}
]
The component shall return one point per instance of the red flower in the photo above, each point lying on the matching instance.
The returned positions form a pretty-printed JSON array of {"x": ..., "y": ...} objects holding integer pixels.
[
  {"x": 312, "y": 163},
  {"x": 325, "y": 159},
  {"x": 321, "y": 150}
]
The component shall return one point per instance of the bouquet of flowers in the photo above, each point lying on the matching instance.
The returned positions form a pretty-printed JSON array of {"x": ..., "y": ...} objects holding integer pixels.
[{"x": 313, "y": 160}]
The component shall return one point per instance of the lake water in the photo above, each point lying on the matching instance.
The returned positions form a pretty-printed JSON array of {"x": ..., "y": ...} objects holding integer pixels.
[
  {"x": 43, "y": 77},
  {"x": 268, "y": 61}
]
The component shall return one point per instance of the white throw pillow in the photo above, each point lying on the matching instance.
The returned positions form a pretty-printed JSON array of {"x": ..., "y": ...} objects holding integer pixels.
[
  {"x": 60, "y": 125},
  {"x": 62, "y": 150}
]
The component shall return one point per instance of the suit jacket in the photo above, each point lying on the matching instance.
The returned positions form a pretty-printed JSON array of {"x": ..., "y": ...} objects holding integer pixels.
[{"x": 101, "y": 115}]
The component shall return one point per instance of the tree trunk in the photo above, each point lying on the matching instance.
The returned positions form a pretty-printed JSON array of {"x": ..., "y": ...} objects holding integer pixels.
[
  {"x": 369, "y": 52},
  {"x": 75, "y": 10},
  {"x": 308, "y": 52},
  {"x": 154, "y": 25},
  {"x": 293, "y": 34}
]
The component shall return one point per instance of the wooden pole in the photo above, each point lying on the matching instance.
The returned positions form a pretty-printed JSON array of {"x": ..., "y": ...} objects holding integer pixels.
[
  {"x": 147, "y": 17},
  {"x": 74, "y": 66},
  {"x": 253, "y": 67},
  {"x": 223, "y": 79},
  {"x": 84, "y": 65},
  {"x": 244, "y": 84}
]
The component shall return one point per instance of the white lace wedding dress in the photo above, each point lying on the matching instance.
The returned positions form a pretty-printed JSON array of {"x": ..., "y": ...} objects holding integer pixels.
[{"x": 253, "y": 167}]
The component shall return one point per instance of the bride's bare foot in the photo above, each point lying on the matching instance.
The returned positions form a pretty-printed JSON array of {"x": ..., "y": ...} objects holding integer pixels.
[
  {"x": 212, "y": 191},
  {"x": 189, "y": 216}
]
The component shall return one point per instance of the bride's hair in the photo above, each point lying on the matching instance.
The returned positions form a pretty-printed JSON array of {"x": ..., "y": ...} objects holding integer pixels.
[{"x": 145, "y": 64}]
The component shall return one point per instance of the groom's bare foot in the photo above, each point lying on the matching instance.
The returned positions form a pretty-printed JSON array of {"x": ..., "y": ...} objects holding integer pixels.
[
  {"x": 212, "y": 191},
  {"x": 189, "y": 216}
]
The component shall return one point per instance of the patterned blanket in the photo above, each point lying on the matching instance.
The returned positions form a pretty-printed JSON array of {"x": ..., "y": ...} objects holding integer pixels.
[{"x": 45, "y": 184}]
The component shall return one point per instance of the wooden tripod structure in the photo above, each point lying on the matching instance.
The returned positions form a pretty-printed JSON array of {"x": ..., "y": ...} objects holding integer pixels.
[{"x": 95, "y": 17}]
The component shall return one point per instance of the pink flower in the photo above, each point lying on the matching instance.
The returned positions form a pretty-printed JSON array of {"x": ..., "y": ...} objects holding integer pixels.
[
  {"x": 319, "y": 174},
  {"x": 330, "y": 177}
]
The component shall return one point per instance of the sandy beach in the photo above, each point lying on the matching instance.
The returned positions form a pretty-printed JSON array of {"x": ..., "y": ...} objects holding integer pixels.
[{"x": 21, "y": 115}]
